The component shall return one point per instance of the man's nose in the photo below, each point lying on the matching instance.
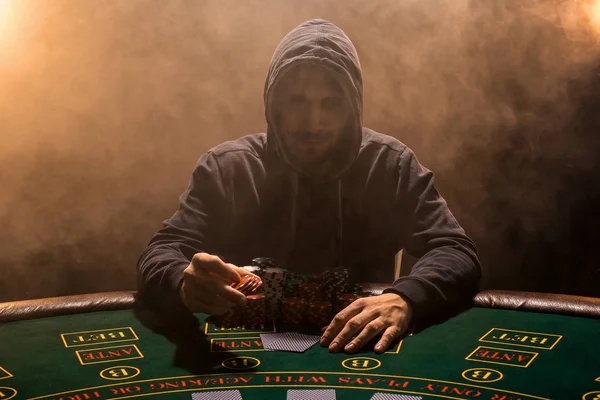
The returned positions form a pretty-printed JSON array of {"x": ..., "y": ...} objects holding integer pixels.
[{"x": 315, "y": 118}]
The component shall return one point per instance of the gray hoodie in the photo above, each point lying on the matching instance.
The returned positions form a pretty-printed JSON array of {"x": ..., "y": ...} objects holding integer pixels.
[{"x": 247, "y": 199}]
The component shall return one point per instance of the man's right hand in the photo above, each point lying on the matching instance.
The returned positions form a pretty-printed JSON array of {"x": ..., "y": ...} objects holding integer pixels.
[{"x": 206, "y": 285}]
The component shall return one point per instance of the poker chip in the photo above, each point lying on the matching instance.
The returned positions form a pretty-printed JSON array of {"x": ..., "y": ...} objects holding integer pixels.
[
  {"x": 291, "y": 287},
  {"x": 293, "y": 310},
  {"x": 336, "y": 282},
  {"x": 274, "y": 282},
  {"x": 248, "y": 284},
  {"x": 253, "y": 269},
  {"x": 356, "y": 289},
  {"x": 344, "y": 300},
  {"x": 319, "y": 313},
  {"x": 297, "y": 297},
  {"x": 264, "y": 262},
  {"x": 231, "y": 318},
  {"x": 311, "y": 291},
  {"x": 254, "y": 312}
]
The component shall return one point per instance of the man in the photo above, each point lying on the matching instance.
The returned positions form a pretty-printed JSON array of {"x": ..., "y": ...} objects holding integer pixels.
[{"x": 317, "y": 190}]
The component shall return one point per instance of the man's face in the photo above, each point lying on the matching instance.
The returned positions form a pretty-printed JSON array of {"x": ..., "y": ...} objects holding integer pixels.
[{"x": 313, "y": 113}]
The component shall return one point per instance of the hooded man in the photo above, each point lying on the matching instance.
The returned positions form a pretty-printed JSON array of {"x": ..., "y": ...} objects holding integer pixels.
[{"x": 317, "y": 190}]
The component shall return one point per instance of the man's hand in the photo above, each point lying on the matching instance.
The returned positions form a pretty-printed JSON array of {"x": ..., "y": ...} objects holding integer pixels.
[
  {"x": 206, "y": 285},
  {"x": 388, "y": 314}
]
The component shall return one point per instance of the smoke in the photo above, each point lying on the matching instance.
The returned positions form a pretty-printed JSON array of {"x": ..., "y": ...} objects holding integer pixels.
[{"x": 106, "y": 105}]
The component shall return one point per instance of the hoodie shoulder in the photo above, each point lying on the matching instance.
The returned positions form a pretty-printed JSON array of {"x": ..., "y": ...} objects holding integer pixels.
[
  {"x": 254, "y": 144},
  {"x": 375, "y": 141}
]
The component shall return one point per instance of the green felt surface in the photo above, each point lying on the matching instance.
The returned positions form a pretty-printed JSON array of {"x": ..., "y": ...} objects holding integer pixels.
[{"x": 36, "y": 363}]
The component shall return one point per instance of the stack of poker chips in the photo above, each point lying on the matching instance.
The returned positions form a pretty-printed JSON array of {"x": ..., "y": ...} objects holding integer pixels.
[
  {"x": 296, "y": 298},
  {"x": 274, "y": 281},
  {"x": 258, "y": 271},
  {"x": 336, "y": 282},
  {"x": 254, "y": 312},
  {"x": 231, "y": 318},
  {"x": 294, "y": 310},
  {"x": 264, "y": 262},
  {"x": 248, "y": 285},
  {"x": 292, "y": 284},
  {"x": 311, "y": 291},
  {"x": 319, "y": 313},
  {"x": 344, "y": 300},
  {"x": 319, "y": 277},
  {"x": 357, "y": 289}
]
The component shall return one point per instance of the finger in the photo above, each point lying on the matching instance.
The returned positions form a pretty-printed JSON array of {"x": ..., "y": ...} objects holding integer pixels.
[
  {"x": 210, "y": 287},
  {"x": 338, "y": 322},
  {"x": 350, "y": 329},
  {"x": 216, "y": 267},
  {"x": 370, "y": 330},
  {"x": 390, "y": 334},
  {"x": 226, "y": 292},
  {"x": 189, "y": 294},
  {"x": 241, "y": 271},
  {"x": 196, "y": 305},
  {"x": 215, "y": 300}
]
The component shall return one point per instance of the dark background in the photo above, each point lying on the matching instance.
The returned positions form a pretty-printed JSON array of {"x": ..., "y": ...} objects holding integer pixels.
[{"x": 106, "y": 105}]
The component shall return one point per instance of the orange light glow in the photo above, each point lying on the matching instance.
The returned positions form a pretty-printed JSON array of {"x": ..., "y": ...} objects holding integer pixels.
[
  {"x": 593, "y": 12},
  {"x": 6, "y": 7},
  {"x": 580, "y": 19},
  {"x": 7, "y": 24}
]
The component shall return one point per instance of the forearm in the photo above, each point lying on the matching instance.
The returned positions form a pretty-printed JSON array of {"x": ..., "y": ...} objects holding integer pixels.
[
  {"x": 448, "y": 271},
  {"x": 445, "y": 278},
  {"x": 160, "y": 270},
  {"x": 160, "y": 266},
  {"x": 189, "y": 231}
]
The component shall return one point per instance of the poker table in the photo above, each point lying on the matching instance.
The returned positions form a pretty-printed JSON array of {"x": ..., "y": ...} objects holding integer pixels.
[{"x": 507, "y": 346}]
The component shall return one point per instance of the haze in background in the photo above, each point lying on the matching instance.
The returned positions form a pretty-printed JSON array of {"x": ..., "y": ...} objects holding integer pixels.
[{"x": 105, "y": 106}]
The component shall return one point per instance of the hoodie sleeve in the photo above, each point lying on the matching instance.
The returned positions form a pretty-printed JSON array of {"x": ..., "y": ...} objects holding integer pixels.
[
  {"x": 190, "y": 230},
  {"x": 448, "y": 271}
]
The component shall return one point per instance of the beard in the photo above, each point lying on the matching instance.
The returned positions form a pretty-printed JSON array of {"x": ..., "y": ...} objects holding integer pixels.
[{"x": 310, "y": 151}]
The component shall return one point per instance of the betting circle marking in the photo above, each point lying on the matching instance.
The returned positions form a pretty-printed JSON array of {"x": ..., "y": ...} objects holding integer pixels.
[
  {"x": 361, "y": 363},
  {"x": 592, "y": 396},
  {"x": 486, "y": 375},
  {"x": 7, "y": 393},
  {"x": 119, "y": 373},
  {"x": 241, "y": 363}
]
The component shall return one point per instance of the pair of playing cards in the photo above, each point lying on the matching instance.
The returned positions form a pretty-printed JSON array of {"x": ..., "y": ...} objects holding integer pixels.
[
  {"x": 392, "y": 396},
  {"x": 325, "y": 394},
  {"x": 328, "y": 394},
  {"x": 288, "y": 341},
  {"x": 217, "y": 395}
]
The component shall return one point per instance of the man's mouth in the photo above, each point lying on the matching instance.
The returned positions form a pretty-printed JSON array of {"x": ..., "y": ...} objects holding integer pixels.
[{"x": 314, "y": 140}]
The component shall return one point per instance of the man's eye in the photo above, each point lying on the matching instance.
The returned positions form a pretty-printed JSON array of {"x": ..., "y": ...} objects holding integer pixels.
[
  {"x": 332, "y": 102},
  {"x": 296, "y": 100}
]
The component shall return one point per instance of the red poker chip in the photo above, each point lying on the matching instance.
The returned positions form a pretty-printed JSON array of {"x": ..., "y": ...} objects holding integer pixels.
[
  {"x": 254, "y": 314},
  {"x": 255, "y": 297},
  {"x": 294, "y": 310},
  {"x": 248, "y": 284},
  {"x": 319, "y": 312}
]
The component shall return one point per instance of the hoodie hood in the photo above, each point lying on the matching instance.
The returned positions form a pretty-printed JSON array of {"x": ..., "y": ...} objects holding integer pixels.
[{"x": 318, "y": 42}]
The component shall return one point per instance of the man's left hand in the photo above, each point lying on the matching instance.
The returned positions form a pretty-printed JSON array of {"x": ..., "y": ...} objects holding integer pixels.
[{"x": 387, "y": 314}]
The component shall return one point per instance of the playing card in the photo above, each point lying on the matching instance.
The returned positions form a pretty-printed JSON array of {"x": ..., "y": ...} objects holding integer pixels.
[
  {"x": 392, "y": 396},
  {"x": 218, "y": 395},
  {"x": 268, "y": 338},
  {"x": 322, "y": 394},
  {"x": 296, "y": 342}
]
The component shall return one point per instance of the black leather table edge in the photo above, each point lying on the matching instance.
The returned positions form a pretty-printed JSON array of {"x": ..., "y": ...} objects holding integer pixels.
[{"x": 588, "y": 307}]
